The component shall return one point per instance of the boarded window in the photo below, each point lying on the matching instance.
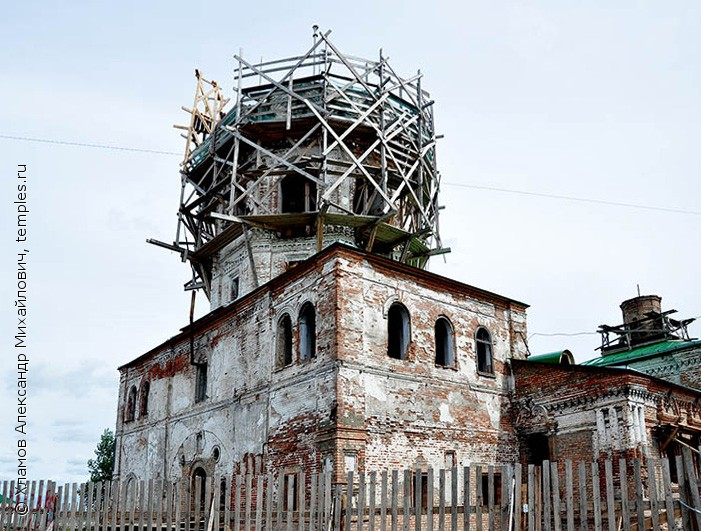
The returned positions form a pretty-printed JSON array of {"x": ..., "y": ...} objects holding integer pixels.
[
  {"x": 143, "y": 402},
  {"x": 130, "y": 412},
  {"x": 307, "y": 332},
  {"x": 485, "y": 361},
  {"x": 445, "y": 343},
  {"x": 298, "y": 194},
  {"x": 398, "y": 331},
  {"x": 201, "y": 382},
  {"x": 283, "y": 345}
]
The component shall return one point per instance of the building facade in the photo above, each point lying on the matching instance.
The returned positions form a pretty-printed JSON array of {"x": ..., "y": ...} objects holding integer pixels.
[{"x": 348, "y": 361}]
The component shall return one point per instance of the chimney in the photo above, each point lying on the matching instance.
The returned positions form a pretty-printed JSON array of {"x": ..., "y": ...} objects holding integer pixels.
[{"x": 636, "y": 318}]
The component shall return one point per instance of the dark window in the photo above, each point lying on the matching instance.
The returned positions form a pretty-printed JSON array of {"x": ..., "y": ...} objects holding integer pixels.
[
  {"x": 445, "y": 347},
  {"x": 307, "y": 332},
  {"x": 298, "y": 194},
  {"x": 199, "y": 481},
  {"x": 398, "y": 331},
  {"x": 485, "y": 361},
  {"x": 491, "y": 490},
  {"x": 538, "y": 448},
  {"x": 290, "y": 493},
  {"x": 234, "y": 288},
  {"x": 419, "y": 487},
  {"x": 201, "y": 383},
  {"x": 283, "y": 353},
  {"x": 143, "y": 403},
  {"x": 130, "y": 412}
]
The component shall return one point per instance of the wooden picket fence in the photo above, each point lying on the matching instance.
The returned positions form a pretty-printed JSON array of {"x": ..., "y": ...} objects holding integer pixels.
[{"x": 604, "y": 496}]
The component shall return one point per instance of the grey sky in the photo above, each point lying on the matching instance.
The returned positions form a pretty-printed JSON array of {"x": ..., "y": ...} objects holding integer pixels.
[{"x": 586, "y": 99}]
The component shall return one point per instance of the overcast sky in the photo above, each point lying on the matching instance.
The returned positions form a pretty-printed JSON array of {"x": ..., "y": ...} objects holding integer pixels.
[{"x": 590, "y": 100}]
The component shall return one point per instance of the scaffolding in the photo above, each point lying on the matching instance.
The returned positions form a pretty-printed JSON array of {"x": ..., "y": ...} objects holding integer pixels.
[{"x": 311, "y": 142}]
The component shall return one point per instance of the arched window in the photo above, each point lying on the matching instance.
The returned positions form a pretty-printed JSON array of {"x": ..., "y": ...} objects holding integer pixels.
[
  {"x": 283, "y": 342},
  {"x": 485, "y": 360},
  {"x": 398, "y": 331},
  {"x": 307, "y": 332},
  {"x": 143, "y": 401},
  {"x": 130, "y": 412},
  {"x": 199, "y": 484},
  {"x": 445, "y": 343},
  {"x": 201, "y": 382},
  {"x": 298, "y": 194}
]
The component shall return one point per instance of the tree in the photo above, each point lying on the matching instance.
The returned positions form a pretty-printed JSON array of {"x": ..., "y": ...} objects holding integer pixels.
[{"x": 102, "y": 467}]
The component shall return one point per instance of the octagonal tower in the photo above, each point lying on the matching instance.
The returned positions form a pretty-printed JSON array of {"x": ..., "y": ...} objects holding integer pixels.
[{"x": 316, "y": 148}]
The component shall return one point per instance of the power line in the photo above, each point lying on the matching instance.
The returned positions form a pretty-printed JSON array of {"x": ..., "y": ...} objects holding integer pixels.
[
  {"x": 563, "y": 334},
  {"x": 571, "y": 198},
  {"x": 83, "y": 144},
  {"x": 446, "y": 183}
]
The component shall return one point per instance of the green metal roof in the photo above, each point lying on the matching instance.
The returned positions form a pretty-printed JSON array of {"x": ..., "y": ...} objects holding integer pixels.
[
  {"x": 552, "y": 357},
  {"x": 648, "y": 351}
]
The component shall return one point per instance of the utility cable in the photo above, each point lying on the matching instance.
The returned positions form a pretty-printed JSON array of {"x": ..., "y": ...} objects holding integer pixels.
[{"x": 446, "y": 183}]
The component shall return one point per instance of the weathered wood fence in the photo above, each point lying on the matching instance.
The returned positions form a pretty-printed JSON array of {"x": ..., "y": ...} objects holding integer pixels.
[{"x": 608, "y": 496}]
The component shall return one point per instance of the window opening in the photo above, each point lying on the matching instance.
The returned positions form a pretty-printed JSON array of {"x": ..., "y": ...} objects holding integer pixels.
[
  {"x": 445, "y": 349},
  {"x": 201, "y": 382},
  {"x": 143, "y": 404},
  {"x": 130, "y": 412},
  {"x": 398, "y": 330},
  {"x": 485, "y": 363},
  {"x": 307, "y": 332},
  {"x": 298, "y": 194},
  {"x": 284, "y": 342}
]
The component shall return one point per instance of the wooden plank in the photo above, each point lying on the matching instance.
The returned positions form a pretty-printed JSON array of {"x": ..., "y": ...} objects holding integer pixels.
[
  {"x": 260, "y": 501},
  {"x": 320, "y": 501},
  {"x": 289, "y": 500},
  {"x": 669, "y": 502},
  {"x": 196, "y": 506},
  {"x": 569, "y": 493},
  {"x": 328, "y": 482},
  {"x": 625, "y": 502},
  {"x": 479, "y": 497},
  {"x": 466, "y": 498},
  {"x": 238, "y": 485},
  {"x": 596, "y": 496},
  {"x": 454, "y": 499},
  {"x": 168, "y": 506},
  {"x": 149, "y": 506},
  {"x": 360, "y": 509},
  {"x": 418, "y": 502},
  {"x": 490, "y": 496},
  {"x": 41, "y": 505},
  {"x": 280, "y": 502},
  {"x": 406, "y": 496},
  {"x": 249, "y": 495},
  {"x": 557, "y": 505},
  {"x": 313, "y": 516},
  {"x": 73, "y": 524},
  {"x": 395, "y": 500},
  {"x": 547, "y": 497},
  {"x": 372, "y": 491},
  {"x": 441, "y": 500},
  {"x": 506, "y": 496},
  {"x": 693, "y": 483},
  {"x": 610, "y": 496},
  {"x": 349, "y": 500},
  {"x": 142, "y": 495},
  {"x": 337, "y": 507},
  {"x": 268, "y": 504},
  {"x": 429, "y": 499},
  {"x": 215, "y": 514},
  {"x": 518, "y": 499},
  {"x": 531, "y": 497},
  {"x": 582, "y": 476},
  {"x": 639, "y": 506},
  {"x": 227, "y": 502},
  {"x": 383, "y": 501},
  {"x": 653, "y": 495},
  {"x": 301, "y": 500}
]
